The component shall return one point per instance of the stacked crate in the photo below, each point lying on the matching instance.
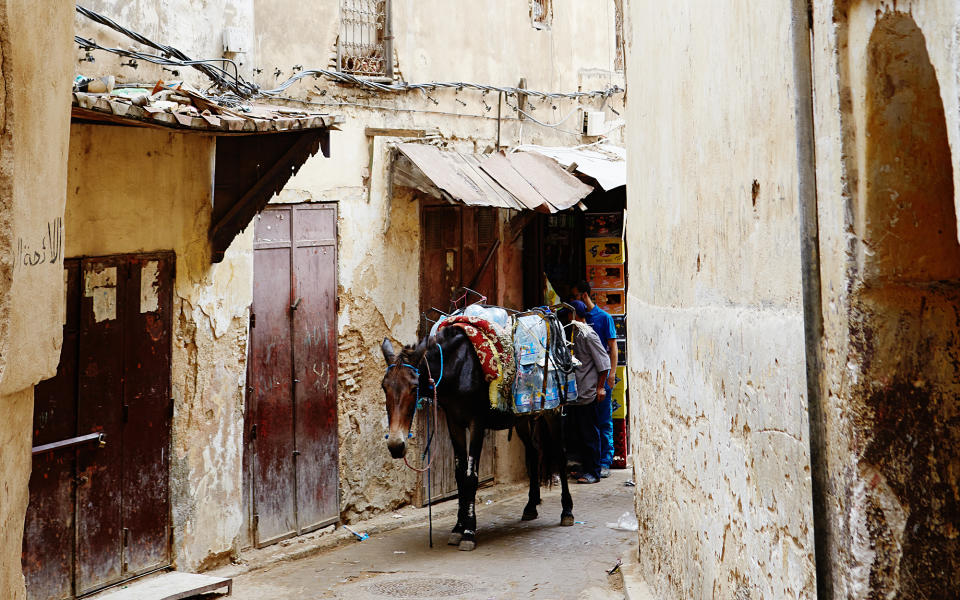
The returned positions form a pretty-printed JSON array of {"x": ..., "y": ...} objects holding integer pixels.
[{"x": 605, "y": 258}]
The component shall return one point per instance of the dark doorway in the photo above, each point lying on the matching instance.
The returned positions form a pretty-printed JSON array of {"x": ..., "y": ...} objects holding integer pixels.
[
  {"x": 291, "y": 411},
  {"x": 458, "y": 250},
  {"x": 99, "y": 508}
]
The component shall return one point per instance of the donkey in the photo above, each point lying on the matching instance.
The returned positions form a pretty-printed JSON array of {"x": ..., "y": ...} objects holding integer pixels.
[{"x": 462, "y": 392}]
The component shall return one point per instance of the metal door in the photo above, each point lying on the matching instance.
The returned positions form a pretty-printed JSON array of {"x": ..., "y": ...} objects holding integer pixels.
[
  {"x": 99, "y": 515},
  {"x": 292, "y": 400},
  {"x": 457, "y": 242}
]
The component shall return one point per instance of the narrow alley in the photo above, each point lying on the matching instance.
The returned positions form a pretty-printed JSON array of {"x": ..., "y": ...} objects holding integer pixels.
[{"x": 513, "y": 559}]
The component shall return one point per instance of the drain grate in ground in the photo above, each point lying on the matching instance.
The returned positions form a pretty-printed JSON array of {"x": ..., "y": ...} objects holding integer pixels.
[{"x": 422, "y": 587}]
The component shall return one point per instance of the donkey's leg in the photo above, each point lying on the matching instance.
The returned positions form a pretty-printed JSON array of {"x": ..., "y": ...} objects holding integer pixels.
[
  {"x": 555, "y": 424},
  {"x": 459, "y": 439},
  {"x": 472, "y": 482},
  {"x": 524, "y": 429}
]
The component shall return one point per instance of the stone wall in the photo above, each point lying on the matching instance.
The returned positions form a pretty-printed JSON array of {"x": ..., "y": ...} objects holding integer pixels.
[
  {"x": 887, "y": 119},
  {"x": 35, "y": 72},
  {"x": 719, "y": 424}
]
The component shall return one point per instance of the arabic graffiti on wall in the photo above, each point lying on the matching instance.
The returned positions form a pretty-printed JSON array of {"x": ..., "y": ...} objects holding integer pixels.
[{"x": 47, "y": 251}]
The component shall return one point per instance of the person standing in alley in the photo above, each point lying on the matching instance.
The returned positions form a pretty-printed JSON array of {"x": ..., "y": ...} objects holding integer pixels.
[
  {"x": 591, "y": 376},
  {"x": 602, "y": 323}
]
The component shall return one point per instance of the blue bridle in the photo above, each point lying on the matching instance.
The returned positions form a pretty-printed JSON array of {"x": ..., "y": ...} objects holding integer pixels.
[{"x": 420, "y": 401}]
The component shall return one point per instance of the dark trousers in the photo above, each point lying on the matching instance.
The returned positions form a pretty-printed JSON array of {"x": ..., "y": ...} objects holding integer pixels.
[{"x": 583, "y": 420}]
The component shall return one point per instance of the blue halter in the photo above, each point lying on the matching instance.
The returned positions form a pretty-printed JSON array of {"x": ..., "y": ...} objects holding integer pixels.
[{"x": 420, "y": 401}]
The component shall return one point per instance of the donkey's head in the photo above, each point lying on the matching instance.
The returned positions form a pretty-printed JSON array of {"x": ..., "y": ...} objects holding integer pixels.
[{"x": 400, "y": 385}]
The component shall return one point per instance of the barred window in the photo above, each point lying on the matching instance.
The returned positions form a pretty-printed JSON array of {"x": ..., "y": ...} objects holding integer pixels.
[
  {"x": 541, "y": 12},
  {"x": 365, "y": 44}
]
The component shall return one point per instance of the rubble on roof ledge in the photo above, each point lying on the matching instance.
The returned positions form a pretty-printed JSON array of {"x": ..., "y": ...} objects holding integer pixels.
[{"x": 181, "y": 107}]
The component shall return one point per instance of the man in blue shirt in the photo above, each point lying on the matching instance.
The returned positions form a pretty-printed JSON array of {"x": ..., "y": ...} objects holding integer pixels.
[{"x": 602, "y": 323}]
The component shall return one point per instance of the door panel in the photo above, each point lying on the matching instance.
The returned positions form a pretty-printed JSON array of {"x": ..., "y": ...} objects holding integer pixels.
[
  {"x": 315, "y": 365},
  {"x": 101, "y": 515},
  {"x": 48, "y": 537},
  {"x": 99, "y": 523},
  {"x": 270, "y": 380},
  {"x": 292, "y": 399},
  {"x": 147, "y": 325}
]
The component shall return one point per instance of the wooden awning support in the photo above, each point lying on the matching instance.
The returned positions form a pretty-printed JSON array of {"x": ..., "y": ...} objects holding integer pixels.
[{"x": 250, "y": 170}]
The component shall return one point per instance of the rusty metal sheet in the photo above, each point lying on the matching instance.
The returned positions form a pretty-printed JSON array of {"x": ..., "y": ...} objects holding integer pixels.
[
  {"x": 460, "y": 178},
  {"x": 561, "y": 189},
  {"x": 500, "y": 168},
  {"x": 100, "y": 470},
  {"x": 315, "y": 364},
  {"x": 147, "y": 296},
  {"x": 48, "y": 537},
  {"x": 271, "y": 395}
]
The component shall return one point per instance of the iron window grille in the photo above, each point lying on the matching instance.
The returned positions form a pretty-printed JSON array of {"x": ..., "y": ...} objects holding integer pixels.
[
  {"x": 365, "y": 43},
  {"x": 541, "y": 12}
]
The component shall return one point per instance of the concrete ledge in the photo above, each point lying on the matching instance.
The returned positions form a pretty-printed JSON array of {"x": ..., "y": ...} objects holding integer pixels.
[
  {"x": 634, "y": 586},
  {"x": 335, "y": 536}
]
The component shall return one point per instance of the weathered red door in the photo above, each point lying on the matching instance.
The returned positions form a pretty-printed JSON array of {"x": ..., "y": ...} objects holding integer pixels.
[
  {"x": 457, "y": 242},
  {"x": 100, "y": 514},
  {"x": 292, "y": 395}
]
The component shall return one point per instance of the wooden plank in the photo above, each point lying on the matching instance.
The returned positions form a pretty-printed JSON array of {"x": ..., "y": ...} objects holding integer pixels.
[
  {"x": 399, "y": 132},
  {"x": 500, "y": 168},
  {"x": 167, "y": 586}
]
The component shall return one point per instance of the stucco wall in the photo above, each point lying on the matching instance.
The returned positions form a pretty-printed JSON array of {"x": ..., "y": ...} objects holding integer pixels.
[
  {"x": 35, "y": 71},
  {"x": 885, "y": 155},
  {"x": 140, "y": 190},
  {"x": 719, "y": 429}
]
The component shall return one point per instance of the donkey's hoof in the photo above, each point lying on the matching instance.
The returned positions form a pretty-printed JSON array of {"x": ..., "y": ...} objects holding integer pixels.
[
  {"x": 454, "y": 539},
  {"x": 529, "y": 514},
  {"x": 566, "y": 520},
  {"x": 467, "y": 545}
]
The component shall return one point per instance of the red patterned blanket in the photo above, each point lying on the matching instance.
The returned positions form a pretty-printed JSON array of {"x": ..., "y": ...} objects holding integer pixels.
[{"x": 494, "y": 352}]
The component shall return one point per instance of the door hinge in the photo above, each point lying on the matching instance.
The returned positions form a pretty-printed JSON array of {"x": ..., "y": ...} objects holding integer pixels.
[
  {"x": 336, "y": 304},
  {"x": 296, "y": 453},
  {"x": 253, "y": 320},
  {"x": 126, "y": 537},
  {"x": 126, "y": 413},
  {"x": 171, "y": 407},
  {"x": 253, "y": 431}
]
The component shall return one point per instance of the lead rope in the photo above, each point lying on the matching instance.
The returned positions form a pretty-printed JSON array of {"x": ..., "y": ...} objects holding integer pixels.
[{"x": 431, "y": 430}]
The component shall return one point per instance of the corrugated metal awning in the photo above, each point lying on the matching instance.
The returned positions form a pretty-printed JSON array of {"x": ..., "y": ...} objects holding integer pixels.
[
  {"x": 605, "y": 163},
  {"x": 515, "y": 181}
]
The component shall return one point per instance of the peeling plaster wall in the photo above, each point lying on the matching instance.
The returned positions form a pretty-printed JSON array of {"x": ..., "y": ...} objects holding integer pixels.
[
  {"x": 888, "y": 119},
  {"x": 34, "y": 62},
  {"x": 138, "y": 190},
  {"x": 719, "y": 423}
]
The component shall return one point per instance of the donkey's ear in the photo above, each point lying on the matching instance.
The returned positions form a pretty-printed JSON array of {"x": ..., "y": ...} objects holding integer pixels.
[{"x": 388, "y": 354}]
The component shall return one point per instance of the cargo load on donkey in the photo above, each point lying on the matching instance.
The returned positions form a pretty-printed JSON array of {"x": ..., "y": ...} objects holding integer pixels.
[{"x": 487, "y": 369}]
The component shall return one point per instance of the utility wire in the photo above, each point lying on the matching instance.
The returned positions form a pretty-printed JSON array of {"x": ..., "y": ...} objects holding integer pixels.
[{"x": 215, "y": 69}]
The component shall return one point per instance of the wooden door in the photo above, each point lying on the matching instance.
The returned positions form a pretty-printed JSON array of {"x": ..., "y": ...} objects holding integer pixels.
[
  {"x": 456, "y": 243},
  {"x": 101, "y": 515},
  {"x": 292, "y": 401}
]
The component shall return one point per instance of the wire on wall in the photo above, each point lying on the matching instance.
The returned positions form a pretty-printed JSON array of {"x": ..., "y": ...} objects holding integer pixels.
[{"x": 225, "y": 76}]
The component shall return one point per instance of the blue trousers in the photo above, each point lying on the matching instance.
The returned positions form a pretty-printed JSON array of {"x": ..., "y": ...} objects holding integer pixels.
[{"x": 605, "y": 426}]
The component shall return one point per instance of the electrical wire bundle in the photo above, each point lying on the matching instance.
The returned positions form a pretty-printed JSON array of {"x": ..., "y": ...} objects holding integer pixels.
[{"x": 216, "y": 69}]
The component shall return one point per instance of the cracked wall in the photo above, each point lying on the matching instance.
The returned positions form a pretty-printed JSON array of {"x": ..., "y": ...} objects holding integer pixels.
[{"x": 138, "y": 190}]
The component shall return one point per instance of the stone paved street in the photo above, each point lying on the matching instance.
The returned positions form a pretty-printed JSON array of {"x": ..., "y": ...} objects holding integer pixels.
[{"x": 513, "y": 559}]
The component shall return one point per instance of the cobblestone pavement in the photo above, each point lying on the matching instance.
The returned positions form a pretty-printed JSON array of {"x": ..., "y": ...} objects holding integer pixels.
[{"x": 513, "y": 559}]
